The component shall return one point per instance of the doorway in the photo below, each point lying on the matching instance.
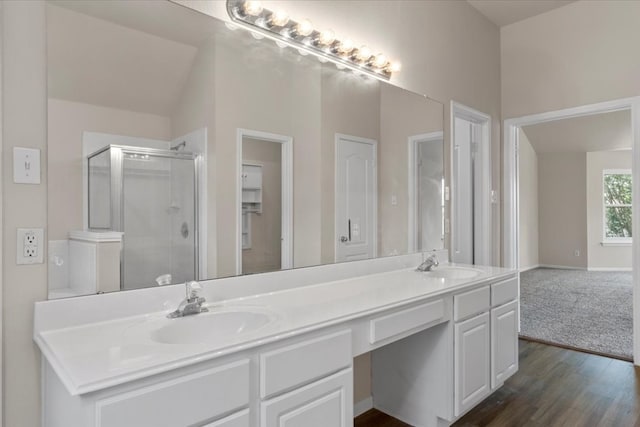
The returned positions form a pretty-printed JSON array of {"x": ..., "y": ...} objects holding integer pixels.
[
  {"x": 356, "y": 194},
  {"x": 426, "y": 192},
  {"x": 512, "y": 196},
  {"x": 470, "y": 185},
  {"x": 264, "y": 223}
]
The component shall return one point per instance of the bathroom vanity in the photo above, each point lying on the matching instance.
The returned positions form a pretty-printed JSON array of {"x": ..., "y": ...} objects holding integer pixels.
[{"x": 442, "y": 341}]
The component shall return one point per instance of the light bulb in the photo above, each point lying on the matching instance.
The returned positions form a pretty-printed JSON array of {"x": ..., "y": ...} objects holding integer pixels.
[
  {"x": 304, "y": 28},
  {"x": 252, "y": 8},
  {"x": 256, "y": 36},
  {"x": 346, "y": 46},
  {"x": 395, "y": 67},
  {"x": 380, "y": 61},
  {"x": 279, "y": 18},
  {"x": 326, "y": 37},
  {"x": 364, "y": 53},
  {"x": 281, "y": 45}
]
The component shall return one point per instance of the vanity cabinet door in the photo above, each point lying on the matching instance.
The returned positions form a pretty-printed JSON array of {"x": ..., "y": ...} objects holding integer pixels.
[
  {"x": 471, "y": 372},
  {"x": 504, "y": 343},
  {"x": 325, "y": 403}
]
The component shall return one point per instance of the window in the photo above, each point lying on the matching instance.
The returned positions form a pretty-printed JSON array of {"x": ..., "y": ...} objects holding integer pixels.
[{"x": 617, "y": 185}]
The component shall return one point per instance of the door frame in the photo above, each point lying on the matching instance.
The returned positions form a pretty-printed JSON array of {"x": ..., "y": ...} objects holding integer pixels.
[
  {"x": 412, "y": 187},
  {"x": 374, "y": 144},
  {"x": 286, "y": 160},
  {"x": 511, "y": 215},
  {"x": 483, "y": 235}
]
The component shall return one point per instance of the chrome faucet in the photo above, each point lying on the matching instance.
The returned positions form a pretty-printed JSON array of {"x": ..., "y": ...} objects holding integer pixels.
[
  {"x": 429, "y": 264},
  {"x": 192, "y": 304}
]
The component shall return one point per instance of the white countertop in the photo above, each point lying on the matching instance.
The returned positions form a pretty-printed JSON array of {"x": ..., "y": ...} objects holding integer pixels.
[{"x": 98, "y": 355}]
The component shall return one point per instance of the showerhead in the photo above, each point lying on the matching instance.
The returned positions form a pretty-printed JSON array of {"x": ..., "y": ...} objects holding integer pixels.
[{"x": 179, "y": 146}]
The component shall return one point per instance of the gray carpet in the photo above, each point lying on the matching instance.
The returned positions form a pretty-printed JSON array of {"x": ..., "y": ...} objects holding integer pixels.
[{"x": 583, "y": 309}]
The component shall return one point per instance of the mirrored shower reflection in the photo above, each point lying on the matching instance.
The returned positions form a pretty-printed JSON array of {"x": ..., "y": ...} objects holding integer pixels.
[{"x": 150, "y": 196}]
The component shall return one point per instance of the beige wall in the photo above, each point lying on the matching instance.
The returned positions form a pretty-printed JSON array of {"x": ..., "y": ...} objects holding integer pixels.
[
  {"x": 562, "y": 210},
  {"x": 578, "y": 54},
  {"x": 265, "y": 252},
  {"x": 66, "y": 122},
  {"x": 528, "y": 198},
  {"x": 24, "y": 125},
  {"x": 605, "y": 257}
]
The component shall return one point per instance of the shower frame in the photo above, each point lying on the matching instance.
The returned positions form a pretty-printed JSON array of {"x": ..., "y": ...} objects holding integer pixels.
[{"x": 116, "y": 188}]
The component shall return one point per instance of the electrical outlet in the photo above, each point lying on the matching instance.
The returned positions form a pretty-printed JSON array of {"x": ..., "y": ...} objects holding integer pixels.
[
  {"x": 576, "y": 252},
  {"x": 30, "y": 242}
]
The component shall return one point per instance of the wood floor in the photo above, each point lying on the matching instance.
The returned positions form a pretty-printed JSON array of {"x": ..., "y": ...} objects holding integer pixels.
[{"x": 554, "y": 387}]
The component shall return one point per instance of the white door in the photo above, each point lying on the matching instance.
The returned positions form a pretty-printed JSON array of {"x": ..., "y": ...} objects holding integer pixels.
[
  {"x": 504, "y": 343},
  {"x": 471, "y": 370},
  {"x": 356, "y": 195}
]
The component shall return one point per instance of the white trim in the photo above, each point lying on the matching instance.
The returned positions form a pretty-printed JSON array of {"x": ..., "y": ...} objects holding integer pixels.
[
  {"x": 287, "y": 194},
  {"x": 531, "y": 267},
  {"x": 412, "y": 196},
  {"x": 482, "y": 235},
  {"x": 510, "y": 182},
  {"x": 362, "y": 406},
  {"x": 617, "y": 242},
  {"x": 623, "y": 269},
  {"x": 374, "y": 143},
  {"x": 562, "y": 267}
]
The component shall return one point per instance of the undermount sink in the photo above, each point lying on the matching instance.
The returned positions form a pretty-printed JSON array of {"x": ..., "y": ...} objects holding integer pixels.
[
  {"x": 217, "y": 324},
  {"x": 451, "y": 272}
]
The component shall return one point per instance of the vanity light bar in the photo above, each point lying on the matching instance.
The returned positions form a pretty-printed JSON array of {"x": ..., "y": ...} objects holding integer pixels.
[{"x": 301, "y": 35}]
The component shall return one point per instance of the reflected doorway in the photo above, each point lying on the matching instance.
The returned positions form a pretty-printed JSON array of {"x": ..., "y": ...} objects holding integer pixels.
[
  {"x": 426, "y": 195},
  {"x": 264, "y": 203},
  {"x": 356, "y": 198}
]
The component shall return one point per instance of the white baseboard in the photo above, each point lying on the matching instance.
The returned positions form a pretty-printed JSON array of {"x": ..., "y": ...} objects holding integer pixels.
[
  {"x": 531, "y": 267},
  {"x": 610, "y": 269},
  {"x": 561, "y": 267},
  {"x": 363, "y": 406}
]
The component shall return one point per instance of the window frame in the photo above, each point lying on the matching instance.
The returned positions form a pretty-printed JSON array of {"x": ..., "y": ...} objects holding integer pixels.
[{"x": 613, "y": 241}]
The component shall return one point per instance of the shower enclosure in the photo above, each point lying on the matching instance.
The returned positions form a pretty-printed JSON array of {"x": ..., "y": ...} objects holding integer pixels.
[{"x": 150, "y": 195}]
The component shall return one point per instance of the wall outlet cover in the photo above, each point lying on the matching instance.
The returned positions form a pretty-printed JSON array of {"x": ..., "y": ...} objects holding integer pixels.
[{"x": 30, "y": 246}]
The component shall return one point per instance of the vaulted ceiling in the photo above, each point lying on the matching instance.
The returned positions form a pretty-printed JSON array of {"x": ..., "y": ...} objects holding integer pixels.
[
  {"x": 95, "y": 55},
  {"x": 505, "y": 12},
  {"x": 598, "y": 132}
]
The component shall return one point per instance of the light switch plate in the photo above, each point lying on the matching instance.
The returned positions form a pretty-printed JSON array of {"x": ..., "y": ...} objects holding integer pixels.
[{"x": 26, "y": 165}]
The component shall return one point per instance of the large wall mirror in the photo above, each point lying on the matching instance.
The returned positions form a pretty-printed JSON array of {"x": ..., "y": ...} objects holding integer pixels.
[{"x": 180, "y": 149}]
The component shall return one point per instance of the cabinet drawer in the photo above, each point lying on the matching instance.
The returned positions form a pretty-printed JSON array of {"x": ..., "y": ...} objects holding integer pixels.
[
  {"x": 183, "y": 401},
  {"x": 405, "y": 320},
  {"x": 471, "y": 302},
  {"x": 240, "y": 419},
  {"x": 503, "y": 292},
  {"x": 325, "y": 403},
  {"x": 301, "y": 363}
]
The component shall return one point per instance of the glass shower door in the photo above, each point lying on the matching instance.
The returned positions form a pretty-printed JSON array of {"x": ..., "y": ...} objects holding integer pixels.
[{"x": 158, "y": 219}]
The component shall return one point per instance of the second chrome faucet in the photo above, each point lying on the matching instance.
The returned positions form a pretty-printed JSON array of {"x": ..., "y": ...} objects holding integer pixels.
[{"x": 192, "y": 304}]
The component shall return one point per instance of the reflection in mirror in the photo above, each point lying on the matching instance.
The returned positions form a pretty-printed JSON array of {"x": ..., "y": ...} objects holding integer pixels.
[
  {"x": 264, "y": 203},
  {"x": 179, "y": 150}
]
